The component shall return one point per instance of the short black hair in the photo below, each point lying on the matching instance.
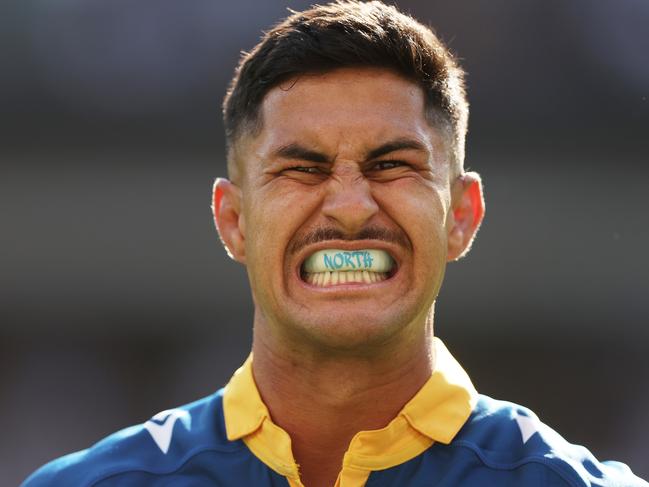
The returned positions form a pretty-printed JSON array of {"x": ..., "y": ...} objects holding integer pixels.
[{"x": 349, "y": 33}]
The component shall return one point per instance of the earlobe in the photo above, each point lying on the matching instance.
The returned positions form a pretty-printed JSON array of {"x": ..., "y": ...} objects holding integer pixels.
[
  {"x": 468, "y": 210},
  {"x": 228, "y": 218}
]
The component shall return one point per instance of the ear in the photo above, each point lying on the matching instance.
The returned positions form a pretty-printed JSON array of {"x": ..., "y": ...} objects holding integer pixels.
[
  {"x": 228, "y": 218},
  {"x": 467, "y": 212}
]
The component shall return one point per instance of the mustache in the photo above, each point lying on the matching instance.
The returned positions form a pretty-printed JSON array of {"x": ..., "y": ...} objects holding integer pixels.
[{"x": 324, "y": 234}]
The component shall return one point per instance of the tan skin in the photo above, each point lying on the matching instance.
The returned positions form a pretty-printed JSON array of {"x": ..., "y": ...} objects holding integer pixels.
[{"x": 346, "y": 150}]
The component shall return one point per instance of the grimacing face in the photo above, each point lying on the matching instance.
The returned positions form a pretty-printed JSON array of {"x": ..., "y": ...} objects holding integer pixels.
[{"x": 346, "y": 162}]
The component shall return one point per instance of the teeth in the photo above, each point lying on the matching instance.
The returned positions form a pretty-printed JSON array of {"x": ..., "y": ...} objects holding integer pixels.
[
  {"x": 331, "y": 267},
  {"x": 326, "y": 279},
  {"x": 335, "y": 278},
  {"x": 329, "y": 260}
]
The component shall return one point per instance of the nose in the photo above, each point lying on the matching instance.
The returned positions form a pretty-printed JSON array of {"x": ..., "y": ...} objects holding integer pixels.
[{"x": 349, "y": 199}]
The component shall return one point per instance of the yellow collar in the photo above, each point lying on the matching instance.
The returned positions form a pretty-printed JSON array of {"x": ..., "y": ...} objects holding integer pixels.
[{"x": 435, "y": 414}]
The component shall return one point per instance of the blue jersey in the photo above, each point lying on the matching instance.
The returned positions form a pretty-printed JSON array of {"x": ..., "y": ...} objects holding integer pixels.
[{"x": 208, "y": 443}]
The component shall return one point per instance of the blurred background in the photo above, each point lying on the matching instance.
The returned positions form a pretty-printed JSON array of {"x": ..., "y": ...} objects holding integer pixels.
[{"x": 117, "y": 300}]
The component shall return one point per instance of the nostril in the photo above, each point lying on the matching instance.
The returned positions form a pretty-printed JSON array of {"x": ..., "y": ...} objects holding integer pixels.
[{"x": 351, "y": 208}]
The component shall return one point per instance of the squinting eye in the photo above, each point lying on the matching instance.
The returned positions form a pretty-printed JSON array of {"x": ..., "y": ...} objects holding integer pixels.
[
  {"x": 383, "y": 165},
  {"x": 305, "y": 169}
]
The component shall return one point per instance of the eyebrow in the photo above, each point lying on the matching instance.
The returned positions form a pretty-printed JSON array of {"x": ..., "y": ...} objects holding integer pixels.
[
  {"x": 395, "y": 145},
  {"x": 299, "y": 152},
  {"x": 296, "y": 151}
]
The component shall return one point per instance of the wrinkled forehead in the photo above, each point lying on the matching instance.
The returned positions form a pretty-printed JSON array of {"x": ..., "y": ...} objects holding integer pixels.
[
  {"x": 343, "y": 113},
  {"x": 347, "y": 106}
]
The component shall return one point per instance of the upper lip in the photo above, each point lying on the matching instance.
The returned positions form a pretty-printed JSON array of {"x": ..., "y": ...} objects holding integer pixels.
[{"x": 350, "y": 245}]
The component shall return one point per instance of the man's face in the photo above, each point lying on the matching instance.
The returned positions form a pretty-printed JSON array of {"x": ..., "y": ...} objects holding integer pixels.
[{"x": 347, "y": 164}]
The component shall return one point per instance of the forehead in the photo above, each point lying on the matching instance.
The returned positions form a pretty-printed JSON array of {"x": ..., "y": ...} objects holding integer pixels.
[{"x": 345, "y": 110}]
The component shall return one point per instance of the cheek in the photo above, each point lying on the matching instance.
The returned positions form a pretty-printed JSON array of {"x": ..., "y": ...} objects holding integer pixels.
[
  {"x": 272, "y": 219},
  {"x": 429, "y": 244},
  {"x": 421, "y": 212},
  {"x": 417, "y": 208},
  {"x": 282, "y": 202}
]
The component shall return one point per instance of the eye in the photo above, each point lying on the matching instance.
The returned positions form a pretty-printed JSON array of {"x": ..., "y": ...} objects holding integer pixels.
[
  {"x": 305, "y": 169},
  {"x": 384, "y": 165}
]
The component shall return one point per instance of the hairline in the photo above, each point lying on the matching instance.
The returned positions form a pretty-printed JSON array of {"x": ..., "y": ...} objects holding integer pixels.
[{"x": 251, "y": 126}]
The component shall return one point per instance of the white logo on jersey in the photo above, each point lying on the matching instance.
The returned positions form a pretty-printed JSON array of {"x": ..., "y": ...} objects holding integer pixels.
[
  {"x": 527, "y": 426},
  {"x": 161, "y": 426}
]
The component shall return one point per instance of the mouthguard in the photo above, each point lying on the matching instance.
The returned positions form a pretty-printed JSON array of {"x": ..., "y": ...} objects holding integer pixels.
[{"x": 328, "y": 260}]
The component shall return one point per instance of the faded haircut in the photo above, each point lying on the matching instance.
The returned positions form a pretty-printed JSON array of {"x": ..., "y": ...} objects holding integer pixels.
[{"x": 349, "y": 34}]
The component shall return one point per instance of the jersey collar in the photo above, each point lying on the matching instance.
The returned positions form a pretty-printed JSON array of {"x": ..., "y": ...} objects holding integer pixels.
[{"x": 435, "y": 414}]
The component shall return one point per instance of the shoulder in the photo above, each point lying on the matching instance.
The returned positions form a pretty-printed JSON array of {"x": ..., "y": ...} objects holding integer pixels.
[
  {"x": 160, "y": 445},
  {"x": 506, "y": 436}
]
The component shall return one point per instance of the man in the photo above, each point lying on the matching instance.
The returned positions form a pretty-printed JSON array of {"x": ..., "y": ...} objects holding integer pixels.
[{"x": 347, "y": 197}]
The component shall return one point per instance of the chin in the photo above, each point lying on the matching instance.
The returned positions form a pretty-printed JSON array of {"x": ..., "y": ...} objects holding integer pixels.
[{"x": 352, "y": 332}]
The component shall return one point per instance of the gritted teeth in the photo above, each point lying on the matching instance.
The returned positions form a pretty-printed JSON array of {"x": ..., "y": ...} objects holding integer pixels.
[
  {"x": 332, "y": 260},
  {"x": 331, "y": 267},
  {"x": 334, "y": 278}
]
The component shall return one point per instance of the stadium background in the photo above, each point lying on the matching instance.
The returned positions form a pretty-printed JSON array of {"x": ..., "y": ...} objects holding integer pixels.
[{"x": 117, "y": 300}]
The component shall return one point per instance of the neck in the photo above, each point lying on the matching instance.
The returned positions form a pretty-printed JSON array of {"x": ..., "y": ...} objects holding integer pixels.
[{"x": 322, "y": 399}]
